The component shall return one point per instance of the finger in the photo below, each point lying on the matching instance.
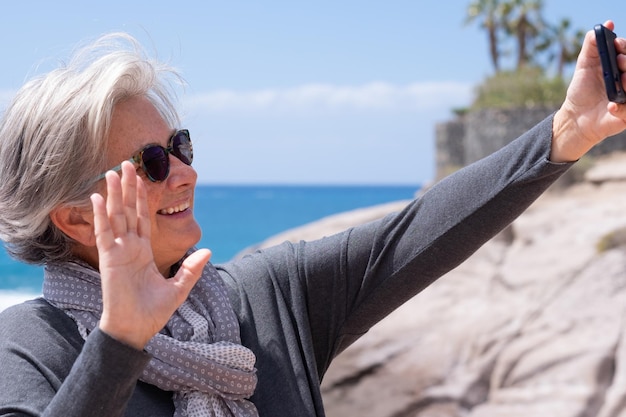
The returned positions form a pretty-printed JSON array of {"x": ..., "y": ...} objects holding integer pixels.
[
  {"x": 617, "y": 110},
  {"x": 143, "y": 214},
  {"x": 102, "y": 228},
  {"x": 621, "y": 62},
  {"x": 189, "y": 273},
  {"x": 114, "y": 204},
  {"x": 129, "y": 195}
]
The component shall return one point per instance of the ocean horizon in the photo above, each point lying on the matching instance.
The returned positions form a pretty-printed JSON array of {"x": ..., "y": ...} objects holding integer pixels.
[{"x": 234, "y": 218}]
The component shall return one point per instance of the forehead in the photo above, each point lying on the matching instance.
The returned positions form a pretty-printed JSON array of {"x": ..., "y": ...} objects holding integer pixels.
[{"x": 135, "y": 123}]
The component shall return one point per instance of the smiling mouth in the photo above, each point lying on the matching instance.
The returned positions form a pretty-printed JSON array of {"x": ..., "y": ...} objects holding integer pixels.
[{"x": 176, "y": 209}]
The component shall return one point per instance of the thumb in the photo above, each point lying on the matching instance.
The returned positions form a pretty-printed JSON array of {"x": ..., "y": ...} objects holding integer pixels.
[{"x": 190, "y": 271}]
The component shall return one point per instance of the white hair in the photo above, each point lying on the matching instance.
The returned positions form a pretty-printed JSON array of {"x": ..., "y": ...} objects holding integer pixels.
[{"x": 53, "y": 138}]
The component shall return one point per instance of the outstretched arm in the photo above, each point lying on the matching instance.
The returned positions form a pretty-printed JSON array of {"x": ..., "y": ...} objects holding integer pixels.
[{"x": 137, "y": 300}]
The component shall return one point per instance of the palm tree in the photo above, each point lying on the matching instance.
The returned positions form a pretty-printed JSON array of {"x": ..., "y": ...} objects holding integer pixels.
[
  {"x": 489, "y": 11},
  {"x": 522, "y": 19},
  {"x": 567, "y": 44}
]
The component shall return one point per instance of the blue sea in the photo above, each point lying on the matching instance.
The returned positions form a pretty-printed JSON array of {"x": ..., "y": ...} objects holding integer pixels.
[{"x": 233, "y": 218}]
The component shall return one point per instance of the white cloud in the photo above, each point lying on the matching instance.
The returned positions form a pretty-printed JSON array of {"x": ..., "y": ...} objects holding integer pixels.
[
  {"x": 373, "y": 133},
  {"x": 377, "y": 96}
]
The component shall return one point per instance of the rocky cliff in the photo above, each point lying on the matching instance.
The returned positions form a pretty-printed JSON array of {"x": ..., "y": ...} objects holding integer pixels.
[{"x": 531, "y": 325}]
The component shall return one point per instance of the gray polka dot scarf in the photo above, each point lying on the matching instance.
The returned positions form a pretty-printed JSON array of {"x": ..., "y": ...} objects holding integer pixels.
[{"x": 198, "y": 355}]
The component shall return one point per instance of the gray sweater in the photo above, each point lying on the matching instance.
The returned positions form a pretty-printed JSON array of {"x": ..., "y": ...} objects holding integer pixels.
[{"x": 299, "y": 305}]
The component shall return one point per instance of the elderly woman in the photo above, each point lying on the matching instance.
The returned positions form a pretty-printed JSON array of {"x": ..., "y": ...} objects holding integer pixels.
[{"x": 134, "y": 321}]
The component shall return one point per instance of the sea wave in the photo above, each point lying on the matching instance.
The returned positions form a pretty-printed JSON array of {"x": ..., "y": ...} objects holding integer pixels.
[{"x": 12, "y": 297}]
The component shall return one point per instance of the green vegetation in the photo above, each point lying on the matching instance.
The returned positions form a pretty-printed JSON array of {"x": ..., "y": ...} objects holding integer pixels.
[
  {"x": 538, "y": 53},
  {"x": 525, "y": 87}
]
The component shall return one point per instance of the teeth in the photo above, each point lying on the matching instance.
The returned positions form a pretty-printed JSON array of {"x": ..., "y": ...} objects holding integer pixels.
[{"x": 176, "y": 209}]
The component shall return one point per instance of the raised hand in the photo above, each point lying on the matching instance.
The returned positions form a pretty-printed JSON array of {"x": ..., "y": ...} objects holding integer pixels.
[
  {"x": 137, "y": 300},
  {"x": 587, "y": 117}
]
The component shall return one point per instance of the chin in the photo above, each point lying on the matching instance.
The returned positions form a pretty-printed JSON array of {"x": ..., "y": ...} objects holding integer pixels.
[
  {"x": 175, "y": 248},
  {"x": 187, "y": 237}
]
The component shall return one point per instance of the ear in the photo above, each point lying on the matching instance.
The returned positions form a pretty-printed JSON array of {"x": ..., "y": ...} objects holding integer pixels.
[{"x": 77, "y": 223}]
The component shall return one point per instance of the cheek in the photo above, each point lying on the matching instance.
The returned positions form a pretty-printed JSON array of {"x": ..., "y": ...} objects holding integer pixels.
[{"x": 153, "y": 207}]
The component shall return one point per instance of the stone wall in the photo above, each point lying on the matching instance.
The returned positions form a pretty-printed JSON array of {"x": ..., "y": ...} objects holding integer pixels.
[
  {"x": 449, "y": 147},
  {"x": 470, "y": 137}
]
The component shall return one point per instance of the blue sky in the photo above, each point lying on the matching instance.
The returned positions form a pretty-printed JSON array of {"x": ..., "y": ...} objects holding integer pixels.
[{"x": 324, "y": 92}]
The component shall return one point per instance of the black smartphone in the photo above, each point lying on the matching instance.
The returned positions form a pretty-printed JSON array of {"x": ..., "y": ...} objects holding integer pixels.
[{"x": 605, "y": 39}]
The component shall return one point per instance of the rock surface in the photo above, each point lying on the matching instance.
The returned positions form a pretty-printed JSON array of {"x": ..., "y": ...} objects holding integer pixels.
[{"x": 530, "y": 325}]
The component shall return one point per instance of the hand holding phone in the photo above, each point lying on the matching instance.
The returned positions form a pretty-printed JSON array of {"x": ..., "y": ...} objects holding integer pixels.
[{"x": 605, "y": 39}]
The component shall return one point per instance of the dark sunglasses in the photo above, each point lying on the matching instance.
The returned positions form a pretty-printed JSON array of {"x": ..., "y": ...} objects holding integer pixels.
[{"x": 154, "y": 159}]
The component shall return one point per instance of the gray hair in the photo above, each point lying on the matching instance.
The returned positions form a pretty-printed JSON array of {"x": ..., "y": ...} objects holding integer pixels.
[{"x": 53, "y": 138}]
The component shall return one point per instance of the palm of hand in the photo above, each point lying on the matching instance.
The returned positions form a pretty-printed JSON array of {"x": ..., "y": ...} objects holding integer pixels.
[{"x": 137, "y": 299}]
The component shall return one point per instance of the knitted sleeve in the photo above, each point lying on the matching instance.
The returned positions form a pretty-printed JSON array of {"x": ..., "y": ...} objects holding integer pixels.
[{"x": 48, "y": 370}]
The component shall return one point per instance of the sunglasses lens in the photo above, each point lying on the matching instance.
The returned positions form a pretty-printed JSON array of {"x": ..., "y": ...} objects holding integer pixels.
[
  {"x": 155, "y": 163},
  {"x": 181, "y": 146}
]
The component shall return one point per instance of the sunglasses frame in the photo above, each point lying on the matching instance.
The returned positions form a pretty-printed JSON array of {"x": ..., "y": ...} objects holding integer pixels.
[{"x": 137, "y": 158}]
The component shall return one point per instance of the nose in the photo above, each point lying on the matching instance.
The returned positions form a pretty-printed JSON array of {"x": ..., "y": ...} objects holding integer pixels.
[{"x": 181, "y": 174}]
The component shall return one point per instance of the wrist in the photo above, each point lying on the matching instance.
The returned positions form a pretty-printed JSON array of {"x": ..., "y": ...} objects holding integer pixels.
[
  {"x": 568, "y": 141},
  {"x": 125, "y": 336}
]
